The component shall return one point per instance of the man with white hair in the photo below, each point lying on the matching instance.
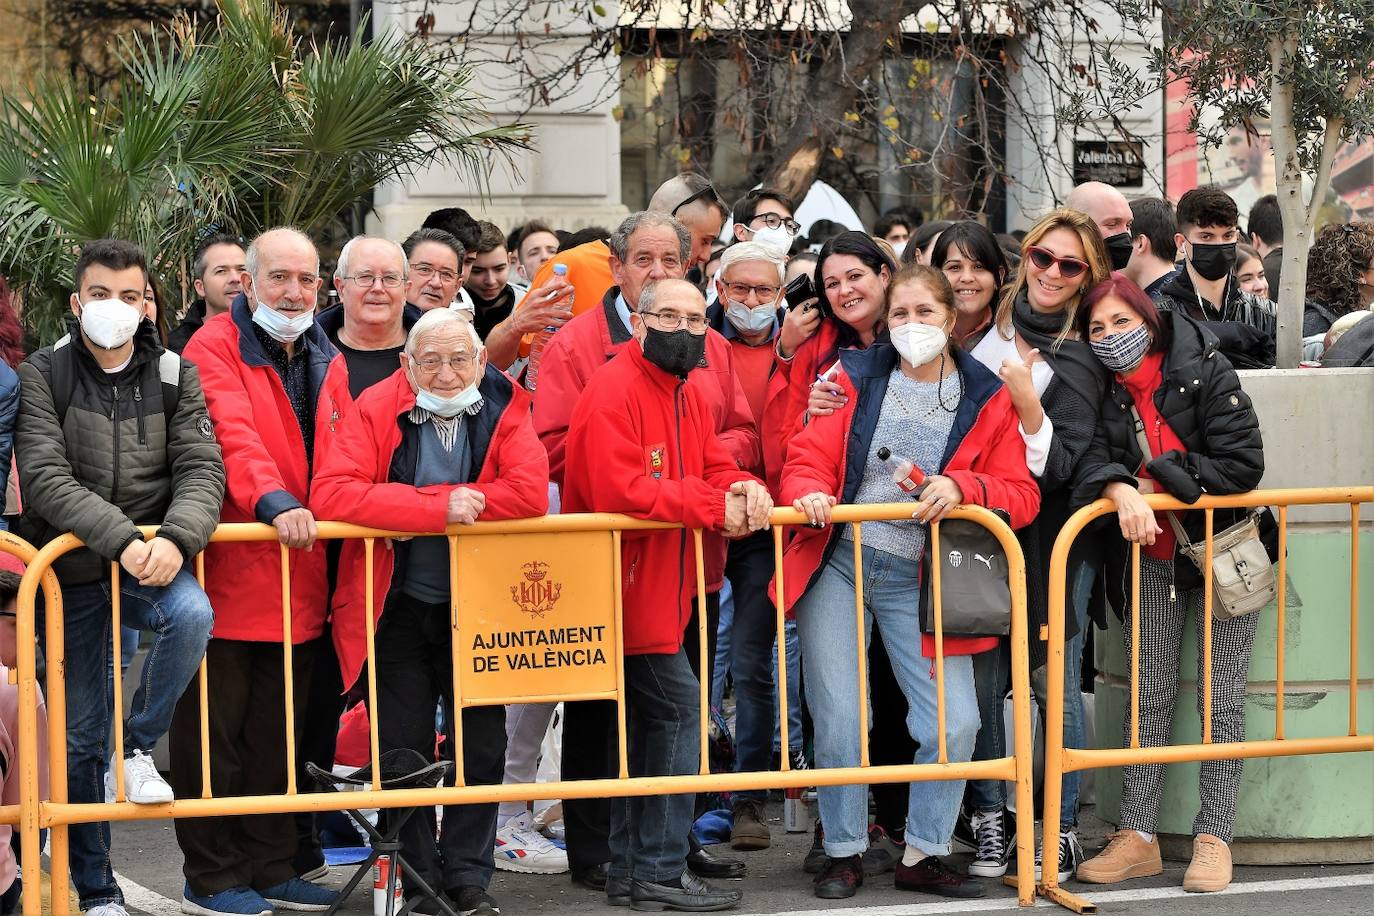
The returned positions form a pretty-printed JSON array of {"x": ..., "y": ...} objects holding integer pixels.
[
  {"x": 446, "y": 439},
  {"x": 370, "y": 322},
  {"x": 1109, "y": 209},
  {"x": 747, "y": 314},
  {"x": 276, "y": 389}
]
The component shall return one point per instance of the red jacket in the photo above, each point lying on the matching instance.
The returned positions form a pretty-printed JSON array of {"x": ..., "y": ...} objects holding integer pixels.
[
  {"x": 266, "y": 473},
  {"x": 986, "y": 458},
  {"x": 788, "y": 391},
  {"x": 356, "y": 484},
  {"x": 584, "y": 345},
  {"x": 644, "y": 443}
]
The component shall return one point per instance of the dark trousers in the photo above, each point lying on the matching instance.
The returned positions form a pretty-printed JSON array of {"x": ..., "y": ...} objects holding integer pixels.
[
  {"x": 648, "y": 837},
  {"x": 318, "y": 732},
  {"x": 749, "y": 567},
  {"x": 247, "y": 718},
  {"x": 590, "y": 751},
  {"x": 414, "y": 671}
]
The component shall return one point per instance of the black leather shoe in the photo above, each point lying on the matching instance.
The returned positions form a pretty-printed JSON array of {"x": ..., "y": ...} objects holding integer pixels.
[
  {"x": 617, "y": 891},
  {"x": 592, "y": 877},
  {"x": 705, "y": 864},
  {"x": 695, "y": 896}
]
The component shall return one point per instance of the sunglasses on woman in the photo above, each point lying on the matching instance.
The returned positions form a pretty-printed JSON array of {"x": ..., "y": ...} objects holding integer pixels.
[{"x": 1044, "y": 259}]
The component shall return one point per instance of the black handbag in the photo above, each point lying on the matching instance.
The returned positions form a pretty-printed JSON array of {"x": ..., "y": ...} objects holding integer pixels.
[{"x": 975, "y": 587}]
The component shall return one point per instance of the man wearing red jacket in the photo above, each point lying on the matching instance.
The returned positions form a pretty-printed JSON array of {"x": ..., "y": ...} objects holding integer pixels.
[
  {"x": 642, "y": 441},
  {"x": 445, "y": 440},
  {"x": 646, "y": 247},
  {"x": 276, "y": 389}
]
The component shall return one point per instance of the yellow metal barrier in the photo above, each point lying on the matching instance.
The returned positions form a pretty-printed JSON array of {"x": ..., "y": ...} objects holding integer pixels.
[
  {"x": 1060, "y": 760},
  {"x": 58, "y": 813}
]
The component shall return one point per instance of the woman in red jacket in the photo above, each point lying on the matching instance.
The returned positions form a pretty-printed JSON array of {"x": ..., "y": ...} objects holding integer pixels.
[
  {"x": 852, "y": 274},
  {"x": 932, "y": 403}
]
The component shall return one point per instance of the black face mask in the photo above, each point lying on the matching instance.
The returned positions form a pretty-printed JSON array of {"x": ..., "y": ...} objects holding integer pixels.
[
  {"x": 1119, "y": 249},
  {"x": 675, "y": 352},
  {"x": 1212, "y": 262}
]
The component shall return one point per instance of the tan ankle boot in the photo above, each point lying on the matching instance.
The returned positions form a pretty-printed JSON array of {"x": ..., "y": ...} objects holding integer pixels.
[
  {"x": 1210, "y": 870},
  {"x": 1126, "y": 856}
]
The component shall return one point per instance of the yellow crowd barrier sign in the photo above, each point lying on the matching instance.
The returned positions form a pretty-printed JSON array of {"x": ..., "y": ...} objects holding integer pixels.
[{"x": 536, "y": 617}]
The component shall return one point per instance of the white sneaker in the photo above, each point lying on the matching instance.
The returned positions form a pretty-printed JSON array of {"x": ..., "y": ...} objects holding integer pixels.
[
  {"x": 143, "y": 785},
  {"x": 107, "y": 909},
  {"x": 519, "y": 847}
]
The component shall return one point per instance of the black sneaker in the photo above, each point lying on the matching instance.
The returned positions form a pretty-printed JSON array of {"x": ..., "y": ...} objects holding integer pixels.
[
  {"x": 935, "y": 877},
  {"x": 990, "y": 854},
  {"x": 475, "y": 901},
  {"x": 840, "y": 878},
  {"x": 883, "y": 852},
  {"x": 1070, "y": 855},
  {"x": 816, "y": 858}
]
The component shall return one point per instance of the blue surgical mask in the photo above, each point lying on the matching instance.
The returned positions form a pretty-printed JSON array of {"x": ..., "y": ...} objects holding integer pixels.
[
  {"x": 278, "y": 326},
  {"x": 747, "y": 320},
  {"x": 448, "y": 407},
  {"x": 1122, "y": 352}
]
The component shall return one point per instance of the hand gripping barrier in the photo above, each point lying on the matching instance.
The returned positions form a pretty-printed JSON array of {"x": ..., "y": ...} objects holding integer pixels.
[
  {"x": 1060, "y": 760},
  {"x": 578, "y": 548}
]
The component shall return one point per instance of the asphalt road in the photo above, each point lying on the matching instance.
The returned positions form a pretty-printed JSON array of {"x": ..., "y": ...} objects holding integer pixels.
[{"x": 148, "y": 862}]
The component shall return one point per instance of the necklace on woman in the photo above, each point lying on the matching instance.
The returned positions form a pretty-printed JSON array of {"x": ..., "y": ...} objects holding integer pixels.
[{"x": 920, "y": 411}]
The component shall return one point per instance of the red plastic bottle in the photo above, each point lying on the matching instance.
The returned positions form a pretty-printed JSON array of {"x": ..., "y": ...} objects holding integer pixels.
[{"x": 905, "y": 474}]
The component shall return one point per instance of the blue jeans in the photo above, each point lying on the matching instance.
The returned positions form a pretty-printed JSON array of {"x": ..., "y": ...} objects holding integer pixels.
[
  {"x": 825, "y": 623},
  {"x": 179, "y": 617},
  {"x": 648, "y": 838},
  {"x": 794, "y": 692},
  {"x": 990, "y": 671}
]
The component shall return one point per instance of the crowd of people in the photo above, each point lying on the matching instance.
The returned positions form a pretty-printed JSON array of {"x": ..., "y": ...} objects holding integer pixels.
[{"x": 467, "y": 374}]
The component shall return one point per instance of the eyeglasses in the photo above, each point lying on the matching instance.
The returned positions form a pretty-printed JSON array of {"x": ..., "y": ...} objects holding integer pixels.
[
  {"x": 707, "y": 193},
  {"x": 671, "y": 321},
  {"x": 458, "y": 363},
  {"x": 773, "y": 221},
  {"x": 365, "y": 281},
  {"x": 425, "y": 271},
  {"x": 1045, "y": 259},
  {"x": 740, "y": 291}
]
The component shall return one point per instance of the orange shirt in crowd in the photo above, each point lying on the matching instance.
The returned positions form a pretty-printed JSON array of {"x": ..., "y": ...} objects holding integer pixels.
[{"x": 589, "y": 272}]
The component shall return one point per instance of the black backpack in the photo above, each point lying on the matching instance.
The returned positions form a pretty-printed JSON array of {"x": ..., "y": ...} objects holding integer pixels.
[{"x": 61, "y": 379}]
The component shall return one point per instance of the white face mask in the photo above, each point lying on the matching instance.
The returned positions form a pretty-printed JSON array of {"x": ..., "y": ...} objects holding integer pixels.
[
  {"x": 109, "y": 323},
  {"x": 750, "y": 320},
  {"x": 278, "y": 326},
  {"x": 450, "y": 407},
  {"x": 898, "y": 248},
  {"x": 919, "y": 343},
  {"x": 778, "y": 238}
]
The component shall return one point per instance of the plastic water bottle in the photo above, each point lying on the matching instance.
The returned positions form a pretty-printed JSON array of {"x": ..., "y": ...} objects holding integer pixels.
[
  {"x": 542, "y": 338},
  {"x": 905, "y": 474}
]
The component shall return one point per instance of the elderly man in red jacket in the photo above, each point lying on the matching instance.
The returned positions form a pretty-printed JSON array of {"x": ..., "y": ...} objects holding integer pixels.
[
  {"x": 445, "y": 440},
  {"x": 643, "y": 442},
  {"x": 276, "y": 389},
  {"x": 646, "y": 247}
]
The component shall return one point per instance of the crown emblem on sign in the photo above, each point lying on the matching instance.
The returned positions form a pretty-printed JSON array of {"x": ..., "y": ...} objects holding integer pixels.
[{"x": 536, "y": 596}]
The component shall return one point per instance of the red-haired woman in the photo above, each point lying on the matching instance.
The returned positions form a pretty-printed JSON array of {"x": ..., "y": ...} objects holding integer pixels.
[{"x": 1204, "y": 438}]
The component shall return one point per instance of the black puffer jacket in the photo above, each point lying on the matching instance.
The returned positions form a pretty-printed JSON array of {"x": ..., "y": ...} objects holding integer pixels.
[
  {"x": 1244, "y": 326},
  {"x": 1202, "y": 401},
  {"x": 113, "y": 461}
]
